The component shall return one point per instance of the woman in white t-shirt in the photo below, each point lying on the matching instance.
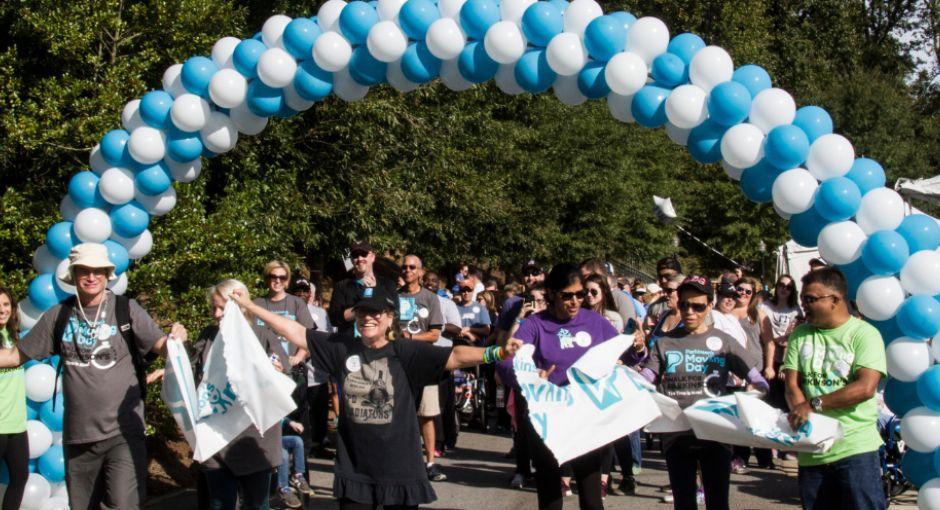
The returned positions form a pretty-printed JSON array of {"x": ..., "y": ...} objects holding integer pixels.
[{"x": 781, "y": 315}]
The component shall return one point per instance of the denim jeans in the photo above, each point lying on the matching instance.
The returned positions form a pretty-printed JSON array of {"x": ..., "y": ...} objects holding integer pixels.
[
  {"x": 225, "y": 489},
  {"x": 290, "y": 445},
  {"x": 683, "y": 457},
  {"x": 850, "y": 483}
]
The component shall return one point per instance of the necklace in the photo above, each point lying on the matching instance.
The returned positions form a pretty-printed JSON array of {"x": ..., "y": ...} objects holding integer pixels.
[{"x": 93, "y": 326}]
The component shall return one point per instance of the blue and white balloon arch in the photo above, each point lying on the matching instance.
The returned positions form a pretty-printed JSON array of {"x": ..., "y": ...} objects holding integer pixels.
[{"x": 780, "y": 154}]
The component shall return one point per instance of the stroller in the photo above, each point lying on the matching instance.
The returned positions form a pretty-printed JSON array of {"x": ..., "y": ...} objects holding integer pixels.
[
  {"x": 892, "y": 479},
  {"x": 470, "y": 397}
]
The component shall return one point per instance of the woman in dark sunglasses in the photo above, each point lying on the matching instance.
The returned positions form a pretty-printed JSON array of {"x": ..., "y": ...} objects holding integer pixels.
[
  {"x": 780, "y": 315},
  {"x": 671, "y": 317},
  {"x": 599, "y": 299}
]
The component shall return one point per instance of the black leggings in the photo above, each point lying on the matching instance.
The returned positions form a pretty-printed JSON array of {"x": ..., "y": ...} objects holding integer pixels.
[
  {"x": 14, "y": 449},
  {"x": 348, "y": 504}
]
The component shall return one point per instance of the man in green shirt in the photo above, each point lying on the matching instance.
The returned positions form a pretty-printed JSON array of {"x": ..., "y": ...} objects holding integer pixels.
[{"x": 833, "y": 364}]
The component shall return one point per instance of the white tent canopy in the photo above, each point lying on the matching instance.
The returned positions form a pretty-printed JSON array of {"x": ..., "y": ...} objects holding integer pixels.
[{"x": 927, "y": 190}]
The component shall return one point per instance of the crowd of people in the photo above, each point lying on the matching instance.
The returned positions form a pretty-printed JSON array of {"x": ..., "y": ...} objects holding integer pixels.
[{"x": 375, "y": 358}]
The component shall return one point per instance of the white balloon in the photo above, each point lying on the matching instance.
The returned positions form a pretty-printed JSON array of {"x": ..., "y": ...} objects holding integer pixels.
[
  {"x": 678, "y": 135},
  {"x": 648, "y": 37},
  {"x": 386, "y": 42},
  {"x": 780, "y": 213},
  {"x": 619, "y": 107},
  {"x": 742, "y": 146},
  {"x": 449, "y": 8},
  {"x": 879, "y": 297},
  {"x": 294, "y": 101},
  {"x": 92, "y": 225},
  {"x": 219, "y": 134},
  {"x": 567, "y": 91},
  {"x": 566, "y": 53},
  {"x": 40, "y": 382},
  {"x": 147, "y": 145},
  {"x": 40, "y": 437},
  {"x": 771, "y": 108},
  {"x": 67, "y": 209},
  {"x": 189, "y": 112},
  {"x": 451, "y": 77},
  {"x": 130, "y": 116},
  {"x": 840, "y": 242},
  {"x": 685, "y": 106},
  {"x": 228, "y": 88},
  {"x": 59, "y": 490},
  {"x": 579, "y": 14},
  {"x": 119, "y": 286},
  {"x": 276, "y": 68},
  {"x": 388, "y": 9},
  {"x": 96, "y": 160},
  {"x": 934, "y": 347},
  {"x": 445, "y": 39},
  {"x": 137, "y": 246},
  {"x": 43, "y": 260},
  {"x": 55, "y": 504},
  {"x": 735, "y": 172},
  {"x": 184, "y": 172},
  {"x": 61, "y": 273},
  {"x": 794, "y": 190},
  {"x": 222, "y": 52},
  {"x": 907, "y": 358},
  {"x": 512, "y": 10},
  {"x": 504, "y": 42},
  {"x": 117, "y": 185},
  {"x": 347, "y": 88},
  {"x": 709, "y": 67},
  {"x": 626, "y": 73},
  {"x": 928, "y": 495},
  {"x": 172, "y": 83},
  {"x": 36, "y": 492},
  {"x": 328, "y": 15},
  {"x": 881, "y": 209},
  {"x": 272, "y": 32},
  {"x": 830, "y": 156},
  {"x": 331, "y": 51},
  {"x": 921, "y": 273},
  {"x": 158, "y": 205},
  {"x": 247, "y": 122},
  {"x": 506, "y": 80},
  {"x": 28, "y": 313},
  {"x": 396, "y": 78},
  {"x": 920, "y": 429}
]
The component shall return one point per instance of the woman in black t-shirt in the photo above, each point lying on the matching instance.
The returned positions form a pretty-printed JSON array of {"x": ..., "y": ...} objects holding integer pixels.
[{"x": 379, "y": 459}]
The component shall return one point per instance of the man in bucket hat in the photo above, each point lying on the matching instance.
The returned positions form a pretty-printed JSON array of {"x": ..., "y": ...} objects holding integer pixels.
[{"x": 102, "y": 339}]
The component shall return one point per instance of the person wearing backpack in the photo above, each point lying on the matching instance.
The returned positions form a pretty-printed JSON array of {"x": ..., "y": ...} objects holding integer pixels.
[{"x": 103, "y": 341}]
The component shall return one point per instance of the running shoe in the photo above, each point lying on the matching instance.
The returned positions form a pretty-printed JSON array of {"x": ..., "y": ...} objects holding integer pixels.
[
  {"x": 566, "y": 489},
  {"x": 628, "y": 486},
  {"x": 517, "y": 481},
  {"x": 435, "y": 474},
  {"x": 738, "y": 466},
  {"x": 299, "y": 482},
  {"x": 289, "y": 499}
]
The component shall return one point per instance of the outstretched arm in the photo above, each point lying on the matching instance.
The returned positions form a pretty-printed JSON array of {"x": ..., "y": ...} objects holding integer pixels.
[
  {"x": 293, "y": 331},
  {"x": 463, "y": 356}
]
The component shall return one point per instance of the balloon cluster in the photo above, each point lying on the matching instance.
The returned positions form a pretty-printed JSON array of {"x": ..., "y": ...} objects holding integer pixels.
[
  {"x": 45, "y": 487},
  {"x": 781, "y": 154}
]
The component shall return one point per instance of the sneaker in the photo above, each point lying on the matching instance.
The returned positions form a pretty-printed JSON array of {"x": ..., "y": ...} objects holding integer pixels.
[
  {"x": 289, "y": 499},
  {"x": 628, "y": 487},
  {"x": 700, "y": 496},
  {"x": 517, "y": 482},
  {"x": 299, "y": 482},
  {"x": 566, "y": 490},
  {"x": 738, "y": 466},
  {"x": 603, "y": 489},
  {"x": 667, "y": 498},
  {"x": 636, "y": 470},
  {"x": 435, "y": 474}
]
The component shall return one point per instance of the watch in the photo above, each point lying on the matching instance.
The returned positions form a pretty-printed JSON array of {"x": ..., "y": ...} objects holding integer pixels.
[{"x": 816, "y": 404}]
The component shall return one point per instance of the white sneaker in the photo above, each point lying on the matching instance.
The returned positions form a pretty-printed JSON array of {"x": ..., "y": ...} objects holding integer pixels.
[
  {"x": 517, "y": 481},
  {"x": 667, "y": 497}
]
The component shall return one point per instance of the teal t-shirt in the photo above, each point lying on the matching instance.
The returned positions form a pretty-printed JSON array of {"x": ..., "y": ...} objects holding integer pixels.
[
  {"x": 12, "y": 393},
  {"x": 828, "y": 359}
]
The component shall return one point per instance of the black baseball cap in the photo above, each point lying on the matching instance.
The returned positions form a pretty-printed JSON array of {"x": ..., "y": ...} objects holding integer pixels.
[
  {"x": 376, "y": 299},
  {"x": 360, "y": 246},
  {"x": 727, "y": 290},
  {"x": 299, "y": 284},
  {"x": 531, "y": 266},
  {"x": 816, "y": 261},
  {"x": 698, "y": 283}
]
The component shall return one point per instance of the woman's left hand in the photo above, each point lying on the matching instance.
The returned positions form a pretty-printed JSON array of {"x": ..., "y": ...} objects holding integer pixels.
[
  {"x": 178, "y": 332},
  {"x": 512, "y": 347}
]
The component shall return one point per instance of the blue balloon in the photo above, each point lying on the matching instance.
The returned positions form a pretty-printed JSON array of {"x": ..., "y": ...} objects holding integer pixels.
[
  {"x": 32, "y": 407},
  {"x": 837, "y": 199},
  {"x": 246, "y": 56},
  {"x": 542, "y": 21},
  {"x": 705, "y": 142},
  {"x": 53, "y": 418},
  {"x": 196, "y": 75},
  {"x": 591, "y": 80},
  {"x": 54, "y": 361},
  {"x": 729, "y": 103},
  {"x": 366, "y": 69},
  {"x": 118, "y": 256},
  {"x": 130, "y": 219},
  {"x": 206, "y": 153},
  {"x": 299, "y": 36},
  {"x": 855, "y": 273},
  {"x": 786, "y": 147},
  {"x": 34, "y": 465},
  {"x": 755, "y": 78},
  {"x": 476, "y": 17},
  {"x": 805, "y": 226},
  {"x": 183, "y": 146},
  {"x": 901, "y": 397},
  {"x": 626, "y": 18},
  {"x": 311, "y": 82},
  {"x": 474, "y": 64},
  {"x": 814, "y": 121},
  {"x": 263, "y": 100},
  {"x": 258, "y": 37},
  {"x": 26, "y": 366},
  {"x": 867, "y": 174},
  {"x": 83, "y": 189},
  {"x": 416, "y": 17},
  {"x": 44, "y": 292},
  {"x": 649, "y": 106},
  {"x": 153, "y": 179},
  {"x": 155, "y": 109},
  {"x": 114, "y": 148},
  {"x": 561, "y": 4},
  {"x": 885, "y": 252},
  {"x": 928, "y": 388},
  {"x": 533, "y": 73},
  {"x": 685, "y": 46},
  {"x": 918, "y": 467},
  {"x": 888, "y": 328},
  {"x": 60, "y": 238},
  {"x": 670, "y": 70},
  {"x": 356, "y": 19},
  {"x": 921, "y": 232},
  {"x": 418, "y": 64},
  {"x": 919, "y": 316},
  {"x": 604, "y": 37},
  {"x": 52, "y": 464}
]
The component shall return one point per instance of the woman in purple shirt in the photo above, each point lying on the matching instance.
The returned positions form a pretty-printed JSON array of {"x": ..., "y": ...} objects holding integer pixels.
[{"x": 561, "y": 334}]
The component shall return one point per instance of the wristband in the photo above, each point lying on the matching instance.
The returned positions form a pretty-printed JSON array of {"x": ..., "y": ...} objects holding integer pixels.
[{"x": 492, "y": 354}]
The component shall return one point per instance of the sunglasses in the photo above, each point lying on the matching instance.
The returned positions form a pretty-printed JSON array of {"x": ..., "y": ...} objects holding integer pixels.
[
  {"x": 695, "y": 307},
  {"x": 569, "y": 296},
  {"x": 808, "y": 300},
  {"x": 594, "y": 292},
  {"x": 465, "y": 289},
  {"x": 278, "y": 277},
  {"x": 746, "y": 292},
  {"x": 789, "y": 286},
  {"x": 531, "y": 272},
  {"x": 408, "y": 267},
  {"x": 359, "y": 254}
]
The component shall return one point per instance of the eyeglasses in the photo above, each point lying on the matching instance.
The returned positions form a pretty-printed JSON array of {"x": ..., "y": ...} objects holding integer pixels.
[
  {"x": 746, "y": 292},
  {"x": 466, "y": 289},
  {"x": 278, "y": 277},
  {"x": 594, "y": 292},
  {"x": 808, "y": 300},
  {"x": 695, "y": 307},
  {"x": 569, "y": 296},
  {"x": 668, "y": 291},
  {"x": 408, "y": 267},
  {"x": 359, "y": 254}
]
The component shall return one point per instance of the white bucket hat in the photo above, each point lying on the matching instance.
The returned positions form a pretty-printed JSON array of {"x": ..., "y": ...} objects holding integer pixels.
[{"x": 92, "y": 255}]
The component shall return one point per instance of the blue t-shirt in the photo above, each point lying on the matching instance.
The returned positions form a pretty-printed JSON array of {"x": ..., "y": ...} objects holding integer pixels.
[{"x": 473, "y": 316}]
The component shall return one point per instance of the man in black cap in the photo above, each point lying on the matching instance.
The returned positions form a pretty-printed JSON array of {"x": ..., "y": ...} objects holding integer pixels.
[
  {"x": 347, "y": 292},
  {"x": 817, "y": 263}
]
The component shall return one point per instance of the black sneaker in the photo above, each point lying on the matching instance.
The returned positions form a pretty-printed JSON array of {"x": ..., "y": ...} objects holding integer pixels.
[
  {"x": 289, "y": 499},
  {"x": 627, "y": 487},
  {"x": 435, "y": 474},
  {"x": 299, "y": 482}
]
